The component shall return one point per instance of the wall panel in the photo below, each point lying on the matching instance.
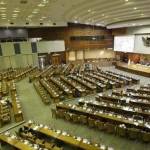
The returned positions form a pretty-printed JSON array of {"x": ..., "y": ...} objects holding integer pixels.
[
  {"x": 8, "y": 49},
  {"x": 80, "y": 55}
]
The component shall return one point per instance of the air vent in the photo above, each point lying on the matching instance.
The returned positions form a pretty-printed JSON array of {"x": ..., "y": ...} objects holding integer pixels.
[{"x": 23, "y": 1}]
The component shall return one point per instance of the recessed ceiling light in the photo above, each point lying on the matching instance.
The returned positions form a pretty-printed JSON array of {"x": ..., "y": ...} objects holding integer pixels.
[
  {"x": 89, "y": 10},
  {"x": 2, "y": 3},
  {"x": 3, "y": 14},
  {"x": 126, "y": 0},
  {"x": 41, "y": 5},
  {"x": 103, "y": 14},
  {"x": 35, "y": 12},
  {"x": 2, "y": 8},
  {"x": 133, "y": 24},
  {"x": 135, "y": 8},
  {"x": 75, "y": 21},
  {"x": 16, "y": 11},
  {"x": 45, "y": 1},
  {"x": 98, "y": 24}
]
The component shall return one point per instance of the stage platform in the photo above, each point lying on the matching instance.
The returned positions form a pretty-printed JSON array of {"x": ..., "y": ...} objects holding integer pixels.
[{"x": 134, "y": 68}]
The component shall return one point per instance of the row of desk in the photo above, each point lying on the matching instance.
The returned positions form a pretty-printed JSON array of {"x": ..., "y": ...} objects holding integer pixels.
[
  {"x": 42, "y": 93},
  {"x": 3, "y": 88},
  {"x": 66, "y": 138},
  {"x": 98, "y": 113},
  {"x": 117, "y": 119},
  {"x": 134, "y": 68},
  {"x": 17, "y": 110}
]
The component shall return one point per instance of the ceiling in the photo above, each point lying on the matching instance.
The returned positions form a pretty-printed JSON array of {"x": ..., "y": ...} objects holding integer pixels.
[{"x": 110, "y": 13}]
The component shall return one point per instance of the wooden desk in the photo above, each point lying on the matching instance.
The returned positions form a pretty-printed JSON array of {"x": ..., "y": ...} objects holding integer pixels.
[
  {"x": 47, "y": 87},
  {"x": 133, "y": 68},
  {"x": 118, "y": 99},
  {"x": 18, "y": 115},
  {"x": 65, "y": 88},
  {"x": 84, "y": 83},
  {"x": 15, "y": 143},
  {"x": 99, "y": 86},
  {"x": 97, "y": 115},
  {"x": 116, "y": 109},
  {"x": 78, "y": 88},
  {"x": 64, "y": 138}
]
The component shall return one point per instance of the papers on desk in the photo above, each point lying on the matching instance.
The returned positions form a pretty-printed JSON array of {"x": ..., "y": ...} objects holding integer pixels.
[
  {"x": 110, "y": 148},
  {"x": 127, "y": 100},
  {"x": 125, "y": 108},
  {"x": 45, "y": 127},
  {"x": 74, "y": 106},
  {"x": 7, "y": 133},
  {"x": 36, "y": 127},
  {"x": 103, "y": 147},
  {"x": 13, "y": 136},
  {"x": 80, "y": 100},
  {"x": 147, "y": 125},
  {"x": 85, "y": 140},
  {"x": 64, "y": 133},
  {"x": 79, "y": 138},
  {"x": 58, "y": 131},
  {"x": 130, "y": 119},
  {"x": 136, "y": 123}
]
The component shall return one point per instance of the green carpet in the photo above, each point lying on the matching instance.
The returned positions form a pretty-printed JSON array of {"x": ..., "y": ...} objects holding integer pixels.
[{"x": 34, "y": 109}]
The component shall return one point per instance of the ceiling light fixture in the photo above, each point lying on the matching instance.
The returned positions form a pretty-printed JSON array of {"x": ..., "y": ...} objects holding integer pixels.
[
  {"x": 41, "y": 5},
  {"x": 35, "y": 12},
  {"x": 135, "y": 8},
  {"x": 89, "y": 10},
  {"x": 2, "y": 8},
  {"x": 76, "y": 21},
  {"x": 45, "y": 1},
  {"x": 2, "y": 3},
  {"x": 16, "y": 11}
]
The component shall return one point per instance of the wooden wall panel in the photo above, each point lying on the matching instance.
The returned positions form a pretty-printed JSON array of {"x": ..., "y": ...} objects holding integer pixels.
[
  {"x": 119, "y": 31},
  {"x": 64, "y": 33}
]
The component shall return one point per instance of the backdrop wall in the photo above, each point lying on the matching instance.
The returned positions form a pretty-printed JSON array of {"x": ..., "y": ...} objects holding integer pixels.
[{"x": 27, "y": 56}]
